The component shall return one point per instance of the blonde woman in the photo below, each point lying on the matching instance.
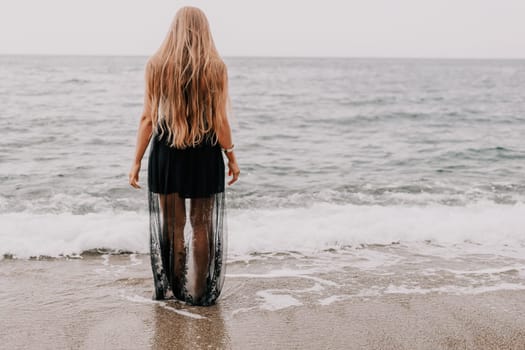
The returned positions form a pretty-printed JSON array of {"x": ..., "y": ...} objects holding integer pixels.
[{"x": 185, "y": 117}]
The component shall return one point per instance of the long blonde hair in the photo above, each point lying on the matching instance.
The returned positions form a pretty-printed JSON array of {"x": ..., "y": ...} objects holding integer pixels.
[{"x": 187, "y": 82}]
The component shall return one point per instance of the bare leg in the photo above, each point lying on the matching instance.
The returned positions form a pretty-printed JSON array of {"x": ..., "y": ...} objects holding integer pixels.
[
  {"x": 174, "y": 219},
  {"x": 201, "y": 220}
]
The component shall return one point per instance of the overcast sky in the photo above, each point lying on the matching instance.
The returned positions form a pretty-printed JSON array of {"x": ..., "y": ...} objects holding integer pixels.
[{"x": 370, "y": 28}]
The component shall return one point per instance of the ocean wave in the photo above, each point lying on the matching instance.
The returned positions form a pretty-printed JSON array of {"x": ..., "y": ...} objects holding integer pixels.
[
  {"x": 310, "y": 229},
  {"x": 61, "y": 193}
]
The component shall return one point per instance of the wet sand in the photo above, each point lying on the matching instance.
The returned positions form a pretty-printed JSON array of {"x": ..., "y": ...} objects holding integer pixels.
[
  {"x": 488, "y": 321},
  {"x": 105, "y": 303}
]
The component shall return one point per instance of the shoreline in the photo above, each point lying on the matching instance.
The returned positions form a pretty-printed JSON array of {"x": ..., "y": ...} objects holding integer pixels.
[{"x": 106, "y": 302}]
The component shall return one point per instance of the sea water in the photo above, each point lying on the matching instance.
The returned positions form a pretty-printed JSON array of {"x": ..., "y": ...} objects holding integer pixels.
[{"x": 339, "y": 157}]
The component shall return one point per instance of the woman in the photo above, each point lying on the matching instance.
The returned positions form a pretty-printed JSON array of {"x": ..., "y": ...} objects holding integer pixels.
[{"x": 185, "y": 109}]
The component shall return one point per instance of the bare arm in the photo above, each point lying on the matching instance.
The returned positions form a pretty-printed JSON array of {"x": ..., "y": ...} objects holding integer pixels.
[
  {"x": 143, "y": 138},
  {"x": 224, "y": 137}
]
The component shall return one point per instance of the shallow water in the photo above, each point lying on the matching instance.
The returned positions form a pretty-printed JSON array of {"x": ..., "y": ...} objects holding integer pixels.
[{"x": 263, "y": 281}]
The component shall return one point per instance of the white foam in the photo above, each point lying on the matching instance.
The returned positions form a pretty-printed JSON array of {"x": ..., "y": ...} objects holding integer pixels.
[
  {"x": 332, "y": 299},
  {"x": 327, "y": 225},
  {"x": 140, "y": 299},
  {"x": 371, "y": 260},
  {"x": 288, "y": 273},
  {"x": 134, "y": 260},
  {"x": 273, "y": 301},
  {"x": 488, "y": 271},
  {"x": 25, "y": 235},
  {"x": 410, "y": 289},
  {"x": 452, "y": 289},
  {"x": 306, "y": 229}
]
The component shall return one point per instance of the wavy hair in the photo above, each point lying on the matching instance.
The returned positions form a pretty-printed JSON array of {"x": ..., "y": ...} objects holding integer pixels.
[{"x": 187, "y": 82}]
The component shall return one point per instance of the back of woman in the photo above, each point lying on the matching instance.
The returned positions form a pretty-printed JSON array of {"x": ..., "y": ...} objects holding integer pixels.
[{"x": 185, "y": 117}]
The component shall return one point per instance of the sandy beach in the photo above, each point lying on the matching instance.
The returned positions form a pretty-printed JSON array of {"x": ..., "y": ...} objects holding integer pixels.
[
  {"x": 104, "y": 302},
  {"x": 380, "y": 206}
]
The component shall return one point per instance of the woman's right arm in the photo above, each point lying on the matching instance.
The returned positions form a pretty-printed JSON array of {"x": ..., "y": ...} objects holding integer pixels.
[{"x": 143, "y": 136}]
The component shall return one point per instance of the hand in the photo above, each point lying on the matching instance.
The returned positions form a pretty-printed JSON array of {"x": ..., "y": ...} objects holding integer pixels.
[
  {"x": 134, "y": 175},
  {"x": 233, "y": 170}
]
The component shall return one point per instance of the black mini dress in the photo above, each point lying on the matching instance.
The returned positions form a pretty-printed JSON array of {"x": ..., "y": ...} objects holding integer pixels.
[{"x": 192, "y": 172}]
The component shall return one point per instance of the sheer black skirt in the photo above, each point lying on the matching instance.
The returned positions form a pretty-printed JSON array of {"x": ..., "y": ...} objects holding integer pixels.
[{"x": 188, "y": 234}]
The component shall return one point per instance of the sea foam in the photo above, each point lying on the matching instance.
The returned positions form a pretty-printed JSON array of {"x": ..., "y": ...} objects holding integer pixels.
[{"x": 307, "y": 229}]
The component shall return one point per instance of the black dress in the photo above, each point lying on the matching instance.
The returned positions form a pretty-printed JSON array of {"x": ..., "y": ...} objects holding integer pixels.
[{"x": 187, "y": 205}]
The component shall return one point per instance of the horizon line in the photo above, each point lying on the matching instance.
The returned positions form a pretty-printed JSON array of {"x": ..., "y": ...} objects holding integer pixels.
[{"x": 278, "y": 56}]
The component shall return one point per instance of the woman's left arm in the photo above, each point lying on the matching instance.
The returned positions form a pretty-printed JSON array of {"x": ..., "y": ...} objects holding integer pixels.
[{"x": 143, "y": 137}]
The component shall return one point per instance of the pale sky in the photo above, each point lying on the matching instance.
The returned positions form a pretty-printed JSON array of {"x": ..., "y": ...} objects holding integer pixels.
[{"x": 365, "y": 28}]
